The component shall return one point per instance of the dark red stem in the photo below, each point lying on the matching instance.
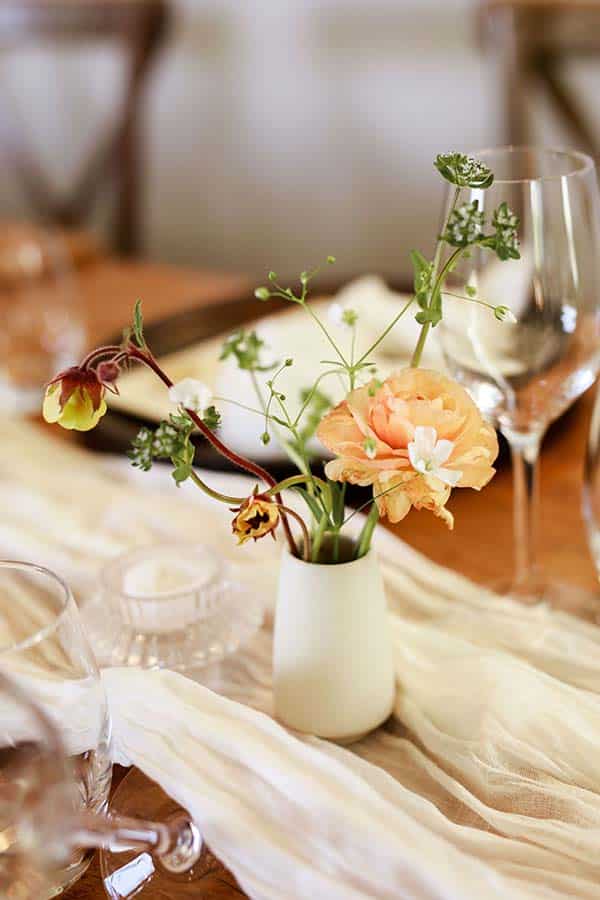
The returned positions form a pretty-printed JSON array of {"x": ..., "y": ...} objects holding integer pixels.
[
  {"x": 96, "y": 354},
  {"x": 240, "y": 461}
]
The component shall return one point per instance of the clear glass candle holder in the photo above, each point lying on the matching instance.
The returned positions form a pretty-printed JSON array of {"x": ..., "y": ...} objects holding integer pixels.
[{"x": 173, "y": 605}]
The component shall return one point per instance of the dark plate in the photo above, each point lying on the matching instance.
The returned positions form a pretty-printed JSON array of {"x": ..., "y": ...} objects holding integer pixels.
[{"x": 117, "y": 428}]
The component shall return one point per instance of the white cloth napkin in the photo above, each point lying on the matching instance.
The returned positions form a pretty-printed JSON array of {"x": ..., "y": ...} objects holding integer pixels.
[{"x": 485, "y": 784}]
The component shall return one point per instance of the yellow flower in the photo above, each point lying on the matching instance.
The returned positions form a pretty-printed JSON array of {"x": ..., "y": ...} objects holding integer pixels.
[
  {"x": 75, "y": 399},
  {"x": 255, "y": 518}
]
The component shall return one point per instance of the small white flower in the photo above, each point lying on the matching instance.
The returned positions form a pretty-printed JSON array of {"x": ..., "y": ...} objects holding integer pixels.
[
  {"x": 341, "y": 316},
  {"x": 428, "y": 455},
  {"x": 192, "y": 394}
]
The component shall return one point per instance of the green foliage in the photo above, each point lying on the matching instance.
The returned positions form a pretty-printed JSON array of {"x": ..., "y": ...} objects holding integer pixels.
[
  {"x": 246, "y": 347},
  {"x": 211, "y": 417},
  {"x": 138, "y": 324},
  {"x": 505, "y": 224},
  {"x": 170, "y": 440},
  {"x": 366, "y": 535},
  {"x": 464, "y": 171},
  {"x": 423, "y": 275},
  {"x": 464, "y": 225}
]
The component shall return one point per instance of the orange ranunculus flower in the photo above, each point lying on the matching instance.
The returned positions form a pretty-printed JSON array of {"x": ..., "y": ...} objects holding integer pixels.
[
  {"x": 255, "y": 518},
  {"x": 414, "y": 438},
  {"x": 75, "y": 399}
]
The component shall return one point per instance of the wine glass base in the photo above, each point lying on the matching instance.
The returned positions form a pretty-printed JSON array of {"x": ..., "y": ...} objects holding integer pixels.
[
  {"x": 134, "y": 873},
  {"x": 557, "y": 595}
]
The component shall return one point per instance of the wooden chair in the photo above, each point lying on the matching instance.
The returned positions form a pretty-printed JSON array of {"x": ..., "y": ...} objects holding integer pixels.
[
  {"x": 534, "y": 39},
  {"x": 139, "y": 26}
]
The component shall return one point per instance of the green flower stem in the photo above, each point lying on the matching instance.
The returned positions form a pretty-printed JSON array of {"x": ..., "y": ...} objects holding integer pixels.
[
  {"x": 312, "y": 313},
  {"x": 257, "y": 412},
  {"x": 216, "y": 495},
  {"x": 145, "y": 357},
  {"x": 416, "y": 357},
  {"x": 311, "y": 394},
  {"x": 418, "y": 352},
  {"x": 318, "y": 538},
  {"x": 369, "y": 502},
  {"x": 385, "y": 333},
  {"x": 489, "y": 306},
  {"x": 297, "y": 479}
]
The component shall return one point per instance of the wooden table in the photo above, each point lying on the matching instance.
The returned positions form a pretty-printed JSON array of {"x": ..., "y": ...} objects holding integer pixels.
[{"x": 481, "y": 544}]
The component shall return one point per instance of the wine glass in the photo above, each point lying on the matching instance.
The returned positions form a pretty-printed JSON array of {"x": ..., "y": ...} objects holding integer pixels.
[
  {"x": 33, "y": 780},
  {"x": 42, "y": 330},
  {"x": 523, "y": 374},
  {"x": 63, "y": 722},
  {"x": 43, "y": 824},
  {"x": 45, "y": 651}
]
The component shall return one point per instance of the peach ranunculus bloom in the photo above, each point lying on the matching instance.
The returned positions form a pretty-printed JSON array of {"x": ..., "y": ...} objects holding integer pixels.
[{"x": 414, "y": 438}]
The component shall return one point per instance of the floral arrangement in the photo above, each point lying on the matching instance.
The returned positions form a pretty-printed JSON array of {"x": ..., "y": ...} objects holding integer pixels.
[{"x": 411, "y": 438}]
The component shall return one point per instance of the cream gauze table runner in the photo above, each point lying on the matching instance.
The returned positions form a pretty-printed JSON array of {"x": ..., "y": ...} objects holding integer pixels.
[{"x": 486, "y": 783}]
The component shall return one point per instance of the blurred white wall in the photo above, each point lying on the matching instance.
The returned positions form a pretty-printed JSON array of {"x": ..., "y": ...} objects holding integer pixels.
[{"x": 278, "y": 131}]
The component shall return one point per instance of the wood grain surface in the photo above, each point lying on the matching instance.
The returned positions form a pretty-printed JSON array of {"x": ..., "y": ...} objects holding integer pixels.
[{"x": 481, "y": 544}]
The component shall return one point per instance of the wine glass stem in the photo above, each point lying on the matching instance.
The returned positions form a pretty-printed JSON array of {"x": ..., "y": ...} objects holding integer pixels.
[
  {"x": 177, "y": 844},
  {"x": 525, "y": 457},
  {"x": 118, "y": 833}
]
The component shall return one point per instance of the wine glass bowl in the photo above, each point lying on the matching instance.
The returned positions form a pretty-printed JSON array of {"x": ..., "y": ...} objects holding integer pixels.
[
  {"x": 55, "y": 768},
  {"x": 526, "y": 371},
  {"x": 45, "y": 652},
  {"x": 34, "y": 798}
]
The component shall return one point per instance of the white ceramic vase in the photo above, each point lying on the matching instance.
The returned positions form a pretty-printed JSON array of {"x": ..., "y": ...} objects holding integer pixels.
[{"x": 333, "y": 662}]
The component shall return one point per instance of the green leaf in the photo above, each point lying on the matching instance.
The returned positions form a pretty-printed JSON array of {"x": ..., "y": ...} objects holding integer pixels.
[
  {"x": 181, "y": 473},
  {"x": 471, "y": 291},
  {"x": 311, "y": 502},
  {"x": 246, "y": 347},
  {"x": 138, "y": 324},
  {"x": 433, "y": 315},
  {"x": 366, "y": 536},
  {"x": 423, "y": 275},
  {"x": 318, "y": 405},
  {"x": 338, "y": 501},
  {"x": 211, "y": 417}
]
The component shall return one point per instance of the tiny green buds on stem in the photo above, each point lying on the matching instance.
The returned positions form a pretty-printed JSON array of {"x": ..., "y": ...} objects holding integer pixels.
[
  {"x": 504, "y": 314},
  {"x": 262, "y": 293}
]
